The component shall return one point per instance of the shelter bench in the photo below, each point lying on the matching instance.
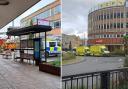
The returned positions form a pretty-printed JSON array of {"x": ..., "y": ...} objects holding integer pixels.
[{"x": 26, "y": 56}]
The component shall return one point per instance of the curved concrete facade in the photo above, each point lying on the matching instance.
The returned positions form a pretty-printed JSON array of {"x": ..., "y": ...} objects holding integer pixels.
[{"x": 107, "y": 26}]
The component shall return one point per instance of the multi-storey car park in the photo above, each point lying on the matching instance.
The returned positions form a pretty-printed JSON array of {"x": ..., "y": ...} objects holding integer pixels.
[{"x": 108, "y": 23}]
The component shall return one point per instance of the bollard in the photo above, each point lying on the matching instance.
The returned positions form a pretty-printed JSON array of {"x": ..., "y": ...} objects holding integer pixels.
[{"x": 105, "y": 80}]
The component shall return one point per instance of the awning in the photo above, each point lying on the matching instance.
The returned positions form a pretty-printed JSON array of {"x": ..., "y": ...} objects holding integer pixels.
[
  {"x": 13, "y": 9},
  {"x": 28, "y": 30}
]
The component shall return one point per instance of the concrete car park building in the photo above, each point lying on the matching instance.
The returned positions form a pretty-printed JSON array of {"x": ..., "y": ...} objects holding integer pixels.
[
  {"x": 107, "y": 24},
  {"x": 48, "y": 15}
]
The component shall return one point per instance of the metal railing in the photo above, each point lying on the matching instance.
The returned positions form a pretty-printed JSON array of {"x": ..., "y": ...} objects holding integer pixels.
[{"x": 110, "y": 79}]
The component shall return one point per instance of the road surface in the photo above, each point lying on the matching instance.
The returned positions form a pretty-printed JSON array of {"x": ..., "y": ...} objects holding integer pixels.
[{"x": 92, "y": 64}]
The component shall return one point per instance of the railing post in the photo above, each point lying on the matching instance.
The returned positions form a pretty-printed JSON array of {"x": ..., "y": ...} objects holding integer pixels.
[{"x": 105, "y": 80}]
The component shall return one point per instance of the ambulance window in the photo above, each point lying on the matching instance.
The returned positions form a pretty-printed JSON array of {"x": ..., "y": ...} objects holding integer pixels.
[
  {"x": 52, "y": 44},
  {"x": 58, "y": 44}
]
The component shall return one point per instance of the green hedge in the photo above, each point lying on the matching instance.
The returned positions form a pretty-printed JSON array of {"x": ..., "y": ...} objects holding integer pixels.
[
  {"x": 118, "y": 52},
  {"x": 68, "y": 55}
]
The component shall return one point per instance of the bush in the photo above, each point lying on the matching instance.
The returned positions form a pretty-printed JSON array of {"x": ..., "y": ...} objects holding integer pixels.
[
  {"x": 118, "y": 52},
  {"x": 56, "y": 63},
  {"x": 68, "y": 55}
]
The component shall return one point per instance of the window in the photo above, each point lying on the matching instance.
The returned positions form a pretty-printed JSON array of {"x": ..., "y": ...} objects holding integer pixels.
[
  {"x": 52, "y": 44},
  {"x": 122, "y": 25},
  {"x": 118, "y": 15},
  {"x": 118, "y": 35},
  {"x": 104, "y": 26},
  {"x": 101, "y": 26},
  {"x": 122, "y": 35},
  {"x": 97, "y": 18},
  {"x": 107, "y": 26},
  {"x": 118, "y": 25},
  {"x": 57, "y": 24},
  {"x": 107, "y": 36},
  {"x": 52, "y": 24},
  {"x": 114, "y": 15},
  {"x": 122, "y": 15},
  {"x": 101, "y": 17},
  {"x": 57, "y": 9},
  {"x": 104, "y": 16},
  {"x": 107, "y": 16},
  {"x": 110, "y": 35},
  {"x": 114, "y": 25},
  {"x": 104, "y": 36},
  {"x": 58, "y": 44},
  {"x": 111, "y": 16},
  {"x": 44, "y": 14},
  {"x": 126, "y": 25},
  {"x": 111, "y": 26},
  {"x": 127, "y": 14}
]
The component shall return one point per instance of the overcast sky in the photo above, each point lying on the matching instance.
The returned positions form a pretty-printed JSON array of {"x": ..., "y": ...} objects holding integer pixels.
[
  {"x": 36, "y": 7},
  {"x": 75, "y": 16}
]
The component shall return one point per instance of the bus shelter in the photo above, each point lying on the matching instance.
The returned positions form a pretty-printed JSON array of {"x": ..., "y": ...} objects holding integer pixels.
[{"x": 32, "y": 43}]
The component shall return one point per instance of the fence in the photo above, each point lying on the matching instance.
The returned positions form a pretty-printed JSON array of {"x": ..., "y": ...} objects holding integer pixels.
[{"x": 110, "y": 79}]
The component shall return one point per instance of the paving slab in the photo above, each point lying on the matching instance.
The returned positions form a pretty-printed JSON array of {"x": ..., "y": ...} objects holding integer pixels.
[{"x": 15, "y": 75}]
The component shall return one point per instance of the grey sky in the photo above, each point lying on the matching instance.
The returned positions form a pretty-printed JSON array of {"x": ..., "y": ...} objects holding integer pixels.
[
  {"x": 34, "y": 8},
  {"x": 75, "y": 16}
]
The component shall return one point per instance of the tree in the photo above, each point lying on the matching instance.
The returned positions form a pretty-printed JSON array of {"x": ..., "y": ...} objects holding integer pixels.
[
  {"x": 70, "y": 45},
  {"x": 126, "y": 44}
]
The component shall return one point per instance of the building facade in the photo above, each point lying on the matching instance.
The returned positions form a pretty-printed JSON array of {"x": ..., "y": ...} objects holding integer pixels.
[
  {"x": 72, "y": 40},
  {"x": 48, "y": 15},
  {"x": 108, "y": 24}
]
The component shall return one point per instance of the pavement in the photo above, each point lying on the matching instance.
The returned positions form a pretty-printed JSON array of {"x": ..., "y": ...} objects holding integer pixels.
[
  {"x": 15, "y": 75},
  {"x": 93, "y": 64}
]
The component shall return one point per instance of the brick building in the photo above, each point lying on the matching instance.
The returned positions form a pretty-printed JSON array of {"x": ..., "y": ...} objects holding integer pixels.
[
  {"x": 51, "y": 14},
  {"x": 108, "y": 23},
  {"x": 74, "y": 40}
]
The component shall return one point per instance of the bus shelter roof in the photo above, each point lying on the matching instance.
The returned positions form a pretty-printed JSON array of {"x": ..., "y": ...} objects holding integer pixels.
[{"x": 28, "y": 30}]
